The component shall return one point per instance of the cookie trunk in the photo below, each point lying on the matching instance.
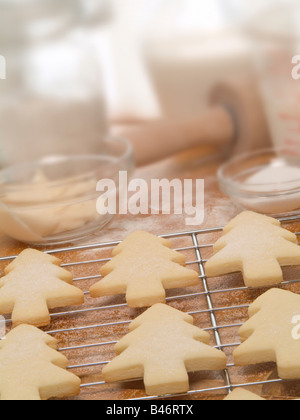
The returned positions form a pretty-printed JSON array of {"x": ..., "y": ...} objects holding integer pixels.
[
  {"x": 32, "y": 313},
  {"x": 145, "y": 293},
  {"x": 170, "y": 380},
  {"x": 288, "y": 363},
  {"x": 262, "y": 272},
  {"x": 25, "y": 393}
]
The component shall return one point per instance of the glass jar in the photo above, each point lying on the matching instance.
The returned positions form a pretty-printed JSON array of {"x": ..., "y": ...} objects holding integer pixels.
[
  {"x": 51, "y": 101},
  {"x": 54, "y": 143},
  {"x": 276, "y": 40}
]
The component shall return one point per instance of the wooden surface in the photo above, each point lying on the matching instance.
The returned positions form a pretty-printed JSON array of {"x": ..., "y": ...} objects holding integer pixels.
[{"x": 218, "y": 211}]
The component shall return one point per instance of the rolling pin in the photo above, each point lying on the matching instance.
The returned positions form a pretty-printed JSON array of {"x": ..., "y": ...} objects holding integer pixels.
[{"x": 234, "y": 120}]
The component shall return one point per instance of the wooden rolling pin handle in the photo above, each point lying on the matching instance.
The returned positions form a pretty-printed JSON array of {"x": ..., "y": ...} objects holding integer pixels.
[{"x": 155, "y": 141}]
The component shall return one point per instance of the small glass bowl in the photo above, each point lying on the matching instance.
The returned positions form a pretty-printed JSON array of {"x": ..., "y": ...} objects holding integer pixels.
[
  {"x": 266, "y": 181},
  {"x": 53, "y": 200}
]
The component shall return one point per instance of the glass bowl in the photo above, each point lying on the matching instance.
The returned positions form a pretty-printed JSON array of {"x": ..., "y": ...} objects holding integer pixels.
[
  {"x": 53, "y": 200},
  {"x": 266, "y": 181}
]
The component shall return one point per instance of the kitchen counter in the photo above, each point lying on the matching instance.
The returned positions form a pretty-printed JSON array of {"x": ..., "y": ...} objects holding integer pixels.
[
  {"x": 90, "y": 326},
  {"x": 200, "y": 163}
]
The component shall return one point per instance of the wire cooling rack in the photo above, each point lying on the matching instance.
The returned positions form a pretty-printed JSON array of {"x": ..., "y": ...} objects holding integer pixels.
[{"x": 87, "y": 334}]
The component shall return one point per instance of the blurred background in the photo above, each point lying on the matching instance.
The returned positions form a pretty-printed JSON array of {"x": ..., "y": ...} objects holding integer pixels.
[
  {"x": 80, "y": 69},
  {"x": 97, "y": 86}
]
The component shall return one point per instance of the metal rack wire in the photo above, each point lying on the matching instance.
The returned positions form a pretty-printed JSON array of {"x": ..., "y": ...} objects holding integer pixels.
[{"x": 207, "y": 293}]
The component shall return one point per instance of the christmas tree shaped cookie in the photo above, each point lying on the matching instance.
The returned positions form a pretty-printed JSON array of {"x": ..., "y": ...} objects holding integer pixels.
[
  {"x": 33, "y": 283},
  {"x": 257, "y": 246},
  {"x": 271, "y": 334},
  {"x": 162, "y": 347},
  {"x": 32, "y": 369},
  {"x": 143, "y": 267},
  {"x": 240, "y": 394}
]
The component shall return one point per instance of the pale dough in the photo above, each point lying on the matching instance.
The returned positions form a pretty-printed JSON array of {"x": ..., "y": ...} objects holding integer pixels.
[
  {"x": 268, "y": 335},
  {"x": 257, "y": 246},
  {"x": 144, "y": 266},
  {"x": 162, "y": 347},
  {"x": 30, "y": 212},
  {"x": 34, "y": 283},
  {"x": 240, "y": 394},
  {"x": 32, "y": 369}
]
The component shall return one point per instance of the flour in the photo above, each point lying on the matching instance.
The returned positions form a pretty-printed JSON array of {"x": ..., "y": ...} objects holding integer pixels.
[
  {"x": 279, "y": 186},
  {"x": 271, "y": 178}
]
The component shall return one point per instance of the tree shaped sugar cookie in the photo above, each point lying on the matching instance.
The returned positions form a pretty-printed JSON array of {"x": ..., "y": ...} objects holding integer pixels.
[
  {"x": 32, "y": 369},
  {"x": 143, "y": 267},
  {"x": 240, "y": 394},
  {"x": 257, "y": 246},
  {"x": 162, "y": 347},
  {"x": 33, "y": 283},
  {"x": 270, "y": 335}
]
